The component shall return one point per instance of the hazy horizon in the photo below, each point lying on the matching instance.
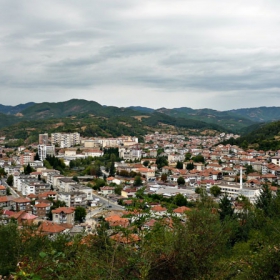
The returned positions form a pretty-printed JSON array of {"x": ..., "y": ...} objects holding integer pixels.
[{"x": 155, "y": 108}]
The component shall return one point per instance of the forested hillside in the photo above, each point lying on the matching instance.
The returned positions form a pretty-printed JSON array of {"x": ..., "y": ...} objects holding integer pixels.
[
  {"x": 237, "y": 121},
  {"x": 260, "y": 114},
  {"x": 264, "y": 137}
]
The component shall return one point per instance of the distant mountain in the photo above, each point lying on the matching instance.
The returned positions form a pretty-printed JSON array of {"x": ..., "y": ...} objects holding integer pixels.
[
  {"x": 238, "y": 121},
  {"x": 92, "y": 119},
  {"x": 73, "y": 107},
  {"x": 260, "y": 114},
  {"x": 158, "y": 118},
  {"x": 228, "y": 120},
  {"x": 142, "y": 109},
  {"x": 13, "y": 110}
]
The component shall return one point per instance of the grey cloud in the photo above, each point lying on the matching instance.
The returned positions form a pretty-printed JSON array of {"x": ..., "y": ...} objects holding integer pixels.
[{"x": 210, "y": 51}]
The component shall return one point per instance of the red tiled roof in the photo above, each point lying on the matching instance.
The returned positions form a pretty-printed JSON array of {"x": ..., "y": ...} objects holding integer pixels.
[
  {"x": 158, "y": 208},
  {"x": 181, "y": 209},
  {"x": 50, "y": 227},
  {"x": 116, "y": 220},
  {"x": 21, "y": 200},
  {"x": 3, "y": 199},
  {"x": 41, "y": 205},
  {"x": 66, "y": 210}
]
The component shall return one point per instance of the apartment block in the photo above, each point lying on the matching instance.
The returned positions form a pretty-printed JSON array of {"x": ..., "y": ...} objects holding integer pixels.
[{"x": 65, "y": 140}]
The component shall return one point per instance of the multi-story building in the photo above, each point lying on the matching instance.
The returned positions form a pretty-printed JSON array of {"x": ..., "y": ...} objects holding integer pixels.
[
  {"x": 41, "y": 209},
  {"x": 65, "y": 140},
  {"x": 130, "y": 153},
  {"x": 26, "y": 158},
  {"x": 43, "y": 139},
  {"x": 44, "y": 151},
  {"x": 34, "y": 187},
  {"x": 63, "y": 215}
]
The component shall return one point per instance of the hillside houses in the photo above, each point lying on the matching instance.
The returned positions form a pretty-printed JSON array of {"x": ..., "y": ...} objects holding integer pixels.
[{"x": 220, "y": 165}]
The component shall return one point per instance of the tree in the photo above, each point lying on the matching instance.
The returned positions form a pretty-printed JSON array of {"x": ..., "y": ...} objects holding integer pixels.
[
  {"x": 80, "y": 214},
  {"x": 37, "y": 156},
  {"x": 98, "y": 171},
  {"x": 137, "y": 181},
  {"x": 8, "y": 191},
  {"x": 180, "y": 200},
  {"x": 140, "y": 193},
  {"x": 2, "y": 172},
  {"x": 190, "y": 166},
  {"x": 75, "y": 178},
  {"x": 188, "y": 156},
  {"x": 226, "y": 209},
  {"x": 249, "y": 169},
  {"x": 161, "y": 161},
  {"x": 146, "y": 163},
  {"x": 198, "y": 158},
  {"x": 99, "y": 183},
  {"x": 28, "y": 169},
  {"x": 181, "y": 181},
  {"x": 9, "y": 247},
  {"x": 198, "y": 190},
  {"x": 118, "y": 190},
  {"x": 163, "y": 177},
  {"x": 264, "y": 201},
  {"x": 10, "y": 180},
  {"x": 179, "y": 165},
  {"x": 215, "y": 190},
  {"x": 112, "y": 169}
]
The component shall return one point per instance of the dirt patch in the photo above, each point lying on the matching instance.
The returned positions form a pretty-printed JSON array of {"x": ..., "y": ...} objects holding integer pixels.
[
  {"x": 126, "y": 124},
  {"x": 57, "y": 125},
  {"x": 139, "y": 118}
]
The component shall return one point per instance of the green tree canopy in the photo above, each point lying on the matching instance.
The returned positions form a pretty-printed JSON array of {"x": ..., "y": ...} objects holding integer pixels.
[
  {"x": 28, "y": 169},
  {"x": 10, "y": 180},
  {"x": 161, "y": 162},
  {"x": 215, "y": 190},
  {"x": 80, "y": 214},
  {"x": 225, "y": 208},
  {"x": 181, "y": 181},
  {"x": 179, "y": 165},
  {"x": 137, "y": 181},
  {"x": 198, "y": 158},
  {"x": 146, "y": 163}
]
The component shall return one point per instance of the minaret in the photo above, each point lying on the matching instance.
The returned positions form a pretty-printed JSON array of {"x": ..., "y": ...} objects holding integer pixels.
[{"x": 240, "y": 177}]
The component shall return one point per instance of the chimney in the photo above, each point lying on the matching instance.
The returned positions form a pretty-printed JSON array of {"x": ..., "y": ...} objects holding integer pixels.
[{"x": 240, "y": 177}]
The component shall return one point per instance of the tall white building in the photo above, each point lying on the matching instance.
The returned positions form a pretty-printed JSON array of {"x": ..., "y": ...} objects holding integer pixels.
[
  {"x": 65, "y": 140},
  {"x": 44, "y": 151}
]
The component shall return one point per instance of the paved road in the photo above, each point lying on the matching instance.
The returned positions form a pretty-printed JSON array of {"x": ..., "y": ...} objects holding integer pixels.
[
  {"x": 13, "y": 192},
  {"x": 107, "y": 204}
]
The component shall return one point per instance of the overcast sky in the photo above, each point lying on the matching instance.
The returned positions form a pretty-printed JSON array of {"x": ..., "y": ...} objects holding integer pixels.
[{"x": 177, "y": 53}]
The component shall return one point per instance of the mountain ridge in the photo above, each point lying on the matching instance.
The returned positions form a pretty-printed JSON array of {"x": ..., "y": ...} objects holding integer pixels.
[{"x": 237, "y": 120}]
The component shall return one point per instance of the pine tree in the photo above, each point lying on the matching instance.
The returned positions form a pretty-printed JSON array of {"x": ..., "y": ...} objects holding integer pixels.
[
  {"x": 264, "y": 201},
  {"x": 112, "y": 169},
  {"x": 226, "y": 209}
]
